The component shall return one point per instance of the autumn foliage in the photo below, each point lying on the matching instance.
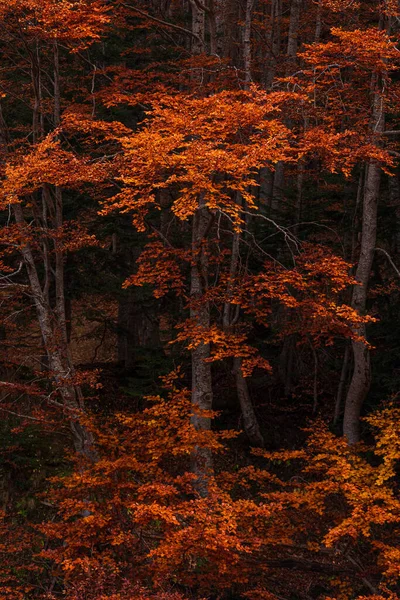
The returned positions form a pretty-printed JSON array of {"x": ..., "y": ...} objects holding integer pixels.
[
  {"x": 135, "y": 519},
  {"x": 199, "y": 240}
]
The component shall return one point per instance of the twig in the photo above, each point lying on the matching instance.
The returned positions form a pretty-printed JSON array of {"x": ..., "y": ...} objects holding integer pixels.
[
  {"x": 389, "y": 259},
  {"x": 161, "y": 22}
]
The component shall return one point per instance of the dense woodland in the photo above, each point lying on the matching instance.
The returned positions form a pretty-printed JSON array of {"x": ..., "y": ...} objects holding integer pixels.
[{"x": 200, "y": 297}]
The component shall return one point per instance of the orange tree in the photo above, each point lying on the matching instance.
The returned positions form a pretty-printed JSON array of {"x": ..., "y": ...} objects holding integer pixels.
[
  {"x": 37, "y": 40},
  {"x": 194, "y": 162},
  {"x": 142, "y": 514},
  {"x": 135, "y": 520}
]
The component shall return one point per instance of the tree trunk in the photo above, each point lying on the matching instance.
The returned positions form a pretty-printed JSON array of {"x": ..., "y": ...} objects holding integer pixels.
[
  {"x": 291, "y": 55},
  {"x": 137, "y": 327},
  {"x": 215, "y": 16},
  {"x": 318, "y": 23},
  {"x": 59, "y": 360},
  {"x": 361, "y": 377},
  {"x": 250, "y": 421},
  {"x": 275, "y": 40},
  {"x": 293, "y": 32},
  {"x": 198, "y": 27},
  {"x": 201, "y": 370},
  {"x": 286, "y": 361},
  {"x": 228, "y": 24},
  {"x": 247, "y": 43},
  {"x": 342, "y": 383},
  {"x": 125, "y": 333}
]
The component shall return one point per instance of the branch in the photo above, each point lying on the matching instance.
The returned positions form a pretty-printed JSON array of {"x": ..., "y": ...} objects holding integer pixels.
[
  {"x": 161, "y": 22},
  {"x": 10, "y": 412},
  {"x": 365, "y": 581},
  {"x": 201, "y": 6},
  {"x": 12, "y": 274},
  {"x": 389, "y": 259}
]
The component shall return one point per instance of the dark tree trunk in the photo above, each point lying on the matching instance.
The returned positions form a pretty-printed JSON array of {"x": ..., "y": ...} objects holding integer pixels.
[{"x": 201, "y": 370}]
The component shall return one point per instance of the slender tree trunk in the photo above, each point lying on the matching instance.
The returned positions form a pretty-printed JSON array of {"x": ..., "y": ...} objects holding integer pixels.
[
  {"x": 59, "y": 361},
  {"x": 293, "y": 32},
  {"x": 394, "y": 195},
  {"x": 318, "y": 23},
  {"x": 199, "y": 308},
  {"x": 215, "y": 16},
  {"x": 299, "y": 195},
  {"x": 250, "y": 421},
  {"x": 52, "y": 320},
  {"x": 247, "y": 43},
  {"x": 342, "y": 383},
  {"x": 201, "y": 370},
  {"x": 286, "y": 360},
  {"x": 291, "y": 55},
  {"x": 275, "y": 40},
  {"x": 361, "y": 378},
  {"x": 36, "y": 78},
  {"x": 278, "y": 186},
  {"x": 59, "y": 254},
  {"x": 125, "y": 327},
  {"x": 230, "y": 43},
  {"x": 315, "y": 379},
  {"x": 198, "y": 26}
]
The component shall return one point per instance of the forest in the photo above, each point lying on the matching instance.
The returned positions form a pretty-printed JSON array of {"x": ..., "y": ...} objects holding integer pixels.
[{"x": 199, "y": 299}]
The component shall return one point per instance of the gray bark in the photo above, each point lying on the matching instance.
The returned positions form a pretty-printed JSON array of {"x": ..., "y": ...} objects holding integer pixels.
[
  {"x": 202, "y": 394},
  {"x": 318, "y": 23},
  {"x": 275, "y": 40},
  {"x": 361, "y": 377},
  {"x": 293, "y": 31},
  {"x": 341, "y": 387},
  {"x": 198, "y": 26},
  {"x": 247, "y": 43},
  {"x": 230, "y": 43},
  {"x": 291, "y": 53},
  {"x": 250, "y": 421},
  {"x": 215, "y": 16},
  {"x": 59, "y": 361}
]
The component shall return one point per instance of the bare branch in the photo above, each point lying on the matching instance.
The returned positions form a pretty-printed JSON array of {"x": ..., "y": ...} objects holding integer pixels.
[
  {"x": 389, "y": 259},
  {"x": 161, "y": 22}
]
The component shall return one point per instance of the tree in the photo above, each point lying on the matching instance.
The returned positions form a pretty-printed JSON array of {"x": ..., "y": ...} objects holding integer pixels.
[
  {"x": 33, "y": 179},
  {"x": 225, "y": 158}
]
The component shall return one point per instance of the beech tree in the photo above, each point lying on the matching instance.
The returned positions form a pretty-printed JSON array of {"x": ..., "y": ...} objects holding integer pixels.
[{"x": 35, "y": 174}]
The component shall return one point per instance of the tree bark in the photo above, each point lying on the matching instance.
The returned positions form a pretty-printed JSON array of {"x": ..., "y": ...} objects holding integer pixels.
[
  {"x": 202, "y": 394},
  {"x": 52, "y": 317},
  {"x": 361, "y": 377},
  {"x": 60, "y": 364},
  {"x": 250, "y": 421},
  {"x": 215, "y": 16},
  {"x": 342, "y": 383},
  {"x": 198, "y": 27},
  {"x": 247, "y": 43},
  {"x": 293, "y": 32},
  {"x": 318, "y": 23},
  {"x": 137, "y": 327},
  {"x": 275, "y": 40},
  {"x": 230, "y": 41}
]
